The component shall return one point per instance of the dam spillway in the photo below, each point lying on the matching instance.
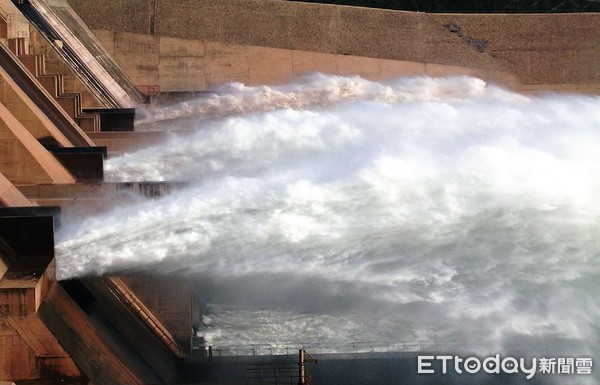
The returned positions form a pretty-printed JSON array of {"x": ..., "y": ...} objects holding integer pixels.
[
  {"x": 322, "y": 212},
  {"x": 435, "y": 206}
]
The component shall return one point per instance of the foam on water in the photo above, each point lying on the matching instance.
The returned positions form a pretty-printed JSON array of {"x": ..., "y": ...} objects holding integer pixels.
[
  {"x": 313, "y": 91},
  {"x": 439, "y": 209}
]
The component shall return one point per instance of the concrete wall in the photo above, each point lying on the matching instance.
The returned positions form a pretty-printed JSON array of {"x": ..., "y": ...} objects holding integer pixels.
[
  {"x": 168, "y": 64},
  {"x": 546, "y": 51},
  {"x": 558, "y": 51}
]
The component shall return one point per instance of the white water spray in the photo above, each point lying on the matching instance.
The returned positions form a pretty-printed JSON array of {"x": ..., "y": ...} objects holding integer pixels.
[{"x": 418, "y": 209}]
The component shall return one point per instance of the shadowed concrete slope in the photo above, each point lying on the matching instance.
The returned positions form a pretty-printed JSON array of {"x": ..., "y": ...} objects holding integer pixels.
[
  {"x": 172, "y": 308},
  {"x": 550, "y": 51},
  {"x": 107, "y": 339},
  {"x": 90, "y": 345}
]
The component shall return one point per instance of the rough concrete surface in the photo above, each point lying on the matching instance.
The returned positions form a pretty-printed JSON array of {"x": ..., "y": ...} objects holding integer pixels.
[{"x": 553, "y": 51}]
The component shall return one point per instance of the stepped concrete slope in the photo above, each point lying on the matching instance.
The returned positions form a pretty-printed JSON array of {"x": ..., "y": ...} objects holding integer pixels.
[
  {"x": 31, "y": 95},
  {"x": 72, "y": 78},
  {"x": 34, "y": 125},
  {"x": 53, "y": 65},
  {"x": 28, "y": 113},
  {"x": 79, "y": 48}
]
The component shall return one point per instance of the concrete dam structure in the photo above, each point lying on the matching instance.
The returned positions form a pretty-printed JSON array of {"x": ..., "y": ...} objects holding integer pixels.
[{"x": 86, "y": 87}]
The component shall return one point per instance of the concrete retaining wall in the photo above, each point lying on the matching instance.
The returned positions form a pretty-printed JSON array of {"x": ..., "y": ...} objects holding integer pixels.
[
  {"x": 167, "y": 64},
  {"x": 551, "y": 51}
]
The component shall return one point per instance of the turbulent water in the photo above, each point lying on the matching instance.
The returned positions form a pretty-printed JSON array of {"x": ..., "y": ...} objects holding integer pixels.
[{"x": 337, "y": 210}]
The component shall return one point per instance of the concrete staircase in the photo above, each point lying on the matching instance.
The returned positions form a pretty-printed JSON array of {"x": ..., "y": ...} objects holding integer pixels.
[
  {"x": 79, "y": 48},
  {"x": 84, "y": 98},
  {"x": 54, "y": 84}
]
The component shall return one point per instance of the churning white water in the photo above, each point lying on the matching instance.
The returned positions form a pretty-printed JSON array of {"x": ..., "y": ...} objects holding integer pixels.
[{"x": 340, "y": 210}]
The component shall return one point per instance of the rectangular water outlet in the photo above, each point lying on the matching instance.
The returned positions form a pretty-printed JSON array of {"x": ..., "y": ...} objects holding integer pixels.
[{"x": 84, "y": 163}]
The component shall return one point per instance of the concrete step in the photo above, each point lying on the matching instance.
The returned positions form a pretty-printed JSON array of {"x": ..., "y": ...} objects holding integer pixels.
[
  {"x": 81, "y": 50},
  {"x": 54, "y": 84},
  {"x": 33, "y": 90}
]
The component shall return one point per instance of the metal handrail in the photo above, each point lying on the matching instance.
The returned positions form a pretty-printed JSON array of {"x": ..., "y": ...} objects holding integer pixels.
[{"x": 352, "y": 347}]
